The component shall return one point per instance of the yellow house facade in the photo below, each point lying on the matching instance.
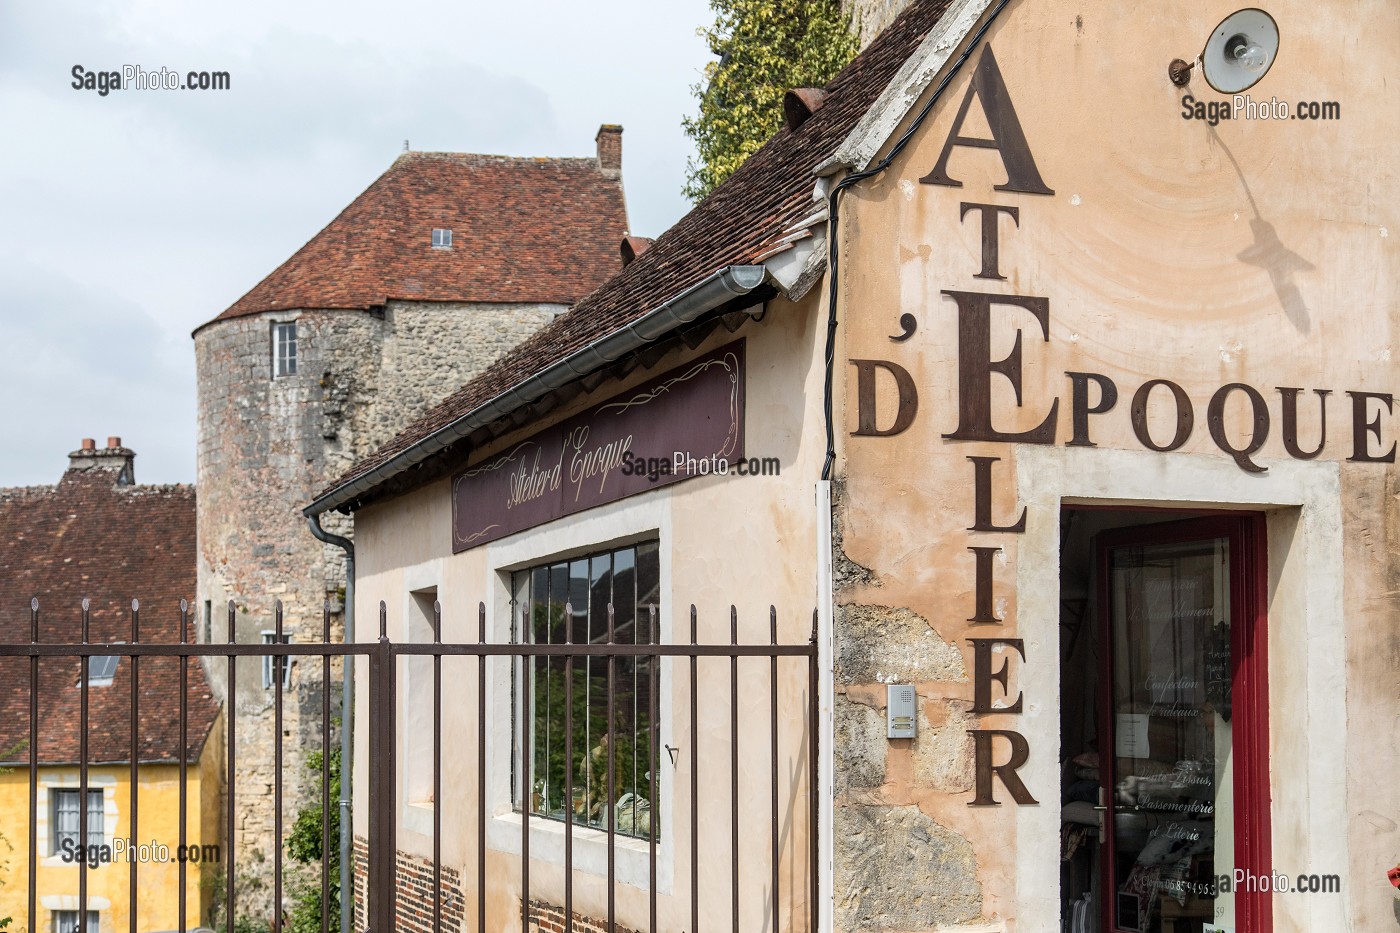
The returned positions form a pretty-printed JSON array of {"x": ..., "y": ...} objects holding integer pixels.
[{"x": 73, "y": 557}]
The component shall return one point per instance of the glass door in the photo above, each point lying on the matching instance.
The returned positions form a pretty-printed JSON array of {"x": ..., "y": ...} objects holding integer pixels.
[{"x": 1182, "y": 649}]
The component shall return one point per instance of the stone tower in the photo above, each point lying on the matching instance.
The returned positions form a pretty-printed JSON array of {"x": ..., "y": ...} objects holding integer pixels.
[{"x": 445, "y": 262}]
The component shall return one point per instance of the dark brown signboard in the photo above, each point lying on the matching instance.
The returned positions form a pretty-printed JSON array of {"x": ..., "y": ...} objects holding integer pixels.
[{"x": 681, "y": 424}]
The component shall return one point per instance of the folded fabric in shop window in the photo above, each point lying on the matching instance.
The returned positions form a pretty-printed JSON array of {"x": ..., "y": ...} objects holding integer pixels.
[{"x": 634, "y": 815}]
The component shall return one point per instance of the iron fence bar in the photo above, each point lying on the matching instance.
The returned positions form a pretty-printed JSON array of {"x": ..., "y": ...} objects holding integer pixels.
[
  {"x": 84, "y": 666},
  {"x": 437, "y": 770},
  {"x": 695, "y": 779},
  {"x": 526, "y": 760},
  {"x": 773, "y": 752},
  {"x": 481, "y": 774},
  {"x": 184, "y": 764},
  {"x": 814, "y": 803},
  {"x": 133, "y": 735},
  {"x": 380, "y": 890},
  {"x": 33, "y": 766},
  {"x": 230, "y": 696},
  {"x": 611, "y": 795},
  {"x": 653, "y": 762},
  {"x": 734, "y": 769},
  {"x": 280, "y": 666},
  {"x": 568, "y": 769},
  {"x": 312, "y": 649},
  {"x": 326, "y": 772}
]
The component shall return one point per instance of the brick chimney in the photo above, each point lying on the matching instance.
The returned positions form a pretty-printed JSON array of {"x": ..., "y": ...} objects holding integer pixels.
[
  {"x": 114, "y": 459},
  {"x": 609, "y": 141}
]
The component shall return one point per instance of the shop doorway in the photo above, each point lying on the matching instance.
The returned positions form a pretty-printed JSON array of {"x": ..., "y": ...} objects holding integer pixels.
[{"x": 1164, "y": 722}]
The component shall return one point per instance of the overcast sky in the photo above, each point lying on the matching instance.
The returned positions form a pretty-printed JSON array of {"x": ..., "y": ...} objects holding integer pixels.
[{"x": 130, "y": 219}]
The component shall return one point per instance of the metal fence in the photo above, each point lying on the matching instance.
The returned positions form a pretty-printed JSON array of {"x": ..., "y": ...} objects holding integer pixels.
[{"x": 382, "y": 907}]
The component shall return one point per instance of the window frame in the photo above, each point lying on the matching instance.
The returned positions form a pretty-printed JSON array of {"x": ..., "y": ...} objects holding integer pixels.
[
  {"x": 444, "y": 241},
  {"x": 269, "y": 637},
  {"x": 96, "y": 834},
  {"x": 94, "y": 920},
  {"x": 562, "y": 591},
  {"x": 284, "y": 364},
  {"x": 97, "y": 679}
]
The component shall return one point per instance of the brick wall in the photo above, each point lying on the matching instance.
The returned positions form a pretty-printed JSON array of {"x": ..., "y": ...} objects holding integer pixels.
[{"x": 414, "y": 891}]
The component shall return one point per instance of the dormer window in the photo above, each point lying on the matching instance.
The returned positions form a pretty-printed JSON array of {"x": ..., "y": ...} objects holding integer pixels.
[
  {"x": 102, "y": 669},
  {"x": 442, "y": 238}
]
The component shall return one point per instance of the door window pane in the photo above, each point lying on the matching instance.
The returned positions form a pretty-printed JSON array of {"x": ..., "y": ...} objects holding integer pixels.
[{"x": 1172, "y": 802}]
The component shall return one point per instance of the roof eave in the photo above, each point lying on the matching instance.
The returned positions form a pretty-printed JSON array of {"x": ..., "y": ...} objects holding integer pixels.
[{"x": 719, "y": 287}]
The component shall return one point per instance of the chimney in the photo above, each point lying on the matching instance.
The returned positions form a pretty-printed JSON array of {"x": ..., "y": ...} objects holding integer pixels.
[
  {"x": 114, "y": 458},
  {"x": 632, "y": 247},
  {"x": 609, "y": 141}
]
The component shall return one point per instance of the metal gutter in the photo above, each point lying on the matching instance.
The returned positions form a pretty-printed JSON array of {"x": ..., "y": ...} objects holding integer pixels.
[
  {"x": 711, "y": 292},
  {"x": 347, "y": 719}
]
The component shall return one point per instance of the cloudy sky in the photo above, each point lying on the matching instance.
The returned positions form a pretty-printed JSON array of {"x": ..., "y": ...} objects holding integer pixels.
[{"x": 130, "y": 219}]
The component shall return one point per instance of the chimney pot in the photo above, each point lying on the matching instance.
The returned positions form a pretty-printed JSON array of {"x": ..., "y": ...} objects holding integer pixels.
[
  {"x": 89, "y": 444},
  {"x": 634, "y": 246},
  {"x": 800, "y": 103},
  {"x": 113, "y": 442},
  {"x": 609, "y": 140}
]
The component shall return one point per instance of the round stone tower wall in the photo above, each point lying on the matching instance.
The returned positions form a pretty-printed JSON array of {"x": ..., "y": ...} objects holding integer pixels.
[{"x": 266, "y": 446}]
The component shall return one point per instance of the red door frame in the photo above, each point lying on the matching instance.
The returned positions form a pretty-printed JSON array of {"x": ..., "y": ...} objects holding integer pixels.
[{"x": 1249, "y": 695}]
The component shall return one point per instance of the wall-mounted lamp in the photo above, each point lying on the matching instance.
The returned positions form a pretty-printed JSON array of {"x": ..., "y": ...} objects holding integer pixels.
[{"x": 1237, "y": 55}]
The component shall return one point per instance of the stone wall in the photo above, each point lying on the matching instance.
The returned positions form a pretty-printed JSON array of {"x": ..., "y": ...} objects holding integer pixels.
[
  {"x": 266, "y": 447},
  {"x": 872, "y": 16}
]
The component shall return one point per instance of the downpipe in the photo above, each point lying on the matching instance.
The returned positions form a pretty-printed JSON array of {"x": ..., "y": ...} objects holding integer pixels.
[{"x": 347, "y": 731}]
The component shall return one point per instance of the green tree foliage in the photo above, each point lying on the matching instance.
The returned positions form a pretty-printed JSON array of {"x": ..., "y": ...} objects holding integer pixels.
[
  {"x": 304, "y": 845},
  {"x": 765, "y": 48}
]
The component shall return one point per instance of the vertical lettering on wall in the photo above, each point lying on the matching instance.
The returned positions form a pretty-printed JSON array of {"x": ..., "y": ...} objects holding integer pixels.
[
  {"x": 1007, "y": 138},
  {"x": 991, "y": 241},
  {"x": 984, "y": 612},
  {"x": 975, "y": 368},
  {"x": 984, "y": 770},
  {"x": 983, "y": 675},
  {"x": 982, "y": 499}
]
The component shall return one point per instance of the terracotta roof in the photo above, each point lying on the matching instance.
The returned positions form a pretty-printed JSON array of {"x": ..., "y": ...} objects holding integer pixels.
[
  {"x": 87, "y": 536},
  {"x": 523, "y": 230},
  {"x": 739, "y": 222}
]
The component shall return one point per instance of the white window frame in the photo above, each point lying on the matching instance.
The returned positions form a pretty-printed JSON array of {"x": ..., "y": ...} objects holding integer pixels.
[
  {"x": 96, "y": 834},
  {"x": 58, "y": 917},
  {"x": 442, "y": 238},
  {"x": 269, "y": 637},
  {"x": 284, "y": 363}
]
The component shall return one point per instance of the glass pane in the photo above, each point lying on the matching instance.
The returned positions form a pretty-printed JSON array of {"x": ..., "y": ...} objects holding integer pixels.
[{"x": 1172, "y": 809}]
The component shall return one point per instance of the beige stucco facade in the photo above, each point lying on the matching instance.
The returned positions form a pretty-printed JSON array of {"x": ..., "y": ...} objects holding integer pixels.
[
  {"x": 1254, "y": 252},
  {"x": 1231, "y": 260},
  {"x": 749, "y": 543}
]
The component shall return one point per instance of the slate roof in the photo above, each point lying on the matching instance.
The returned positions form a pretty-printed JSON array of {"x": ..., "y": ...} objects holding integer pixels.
[
  {"x": 87, "y": 536},
  {"x": 523, "y": 230},
  {"x": 736, "y": 225}
]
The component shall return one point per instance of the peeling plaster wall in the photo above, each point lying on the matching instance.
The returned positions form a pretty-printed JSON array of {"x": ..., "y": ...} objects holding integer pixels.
[
  {"x": 266, "y": 447},
  {"x": 1257, "y": 252}
]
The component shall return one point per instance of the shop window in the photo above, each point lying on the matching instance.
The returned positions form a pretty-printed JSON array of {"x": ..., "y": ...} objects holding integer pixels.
[
  {"x": 567, "y": 601},
  {"x": 284, "y": 349},
  {"x": 66, "y": 817},
  {"x": 66, "y": 921}
]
